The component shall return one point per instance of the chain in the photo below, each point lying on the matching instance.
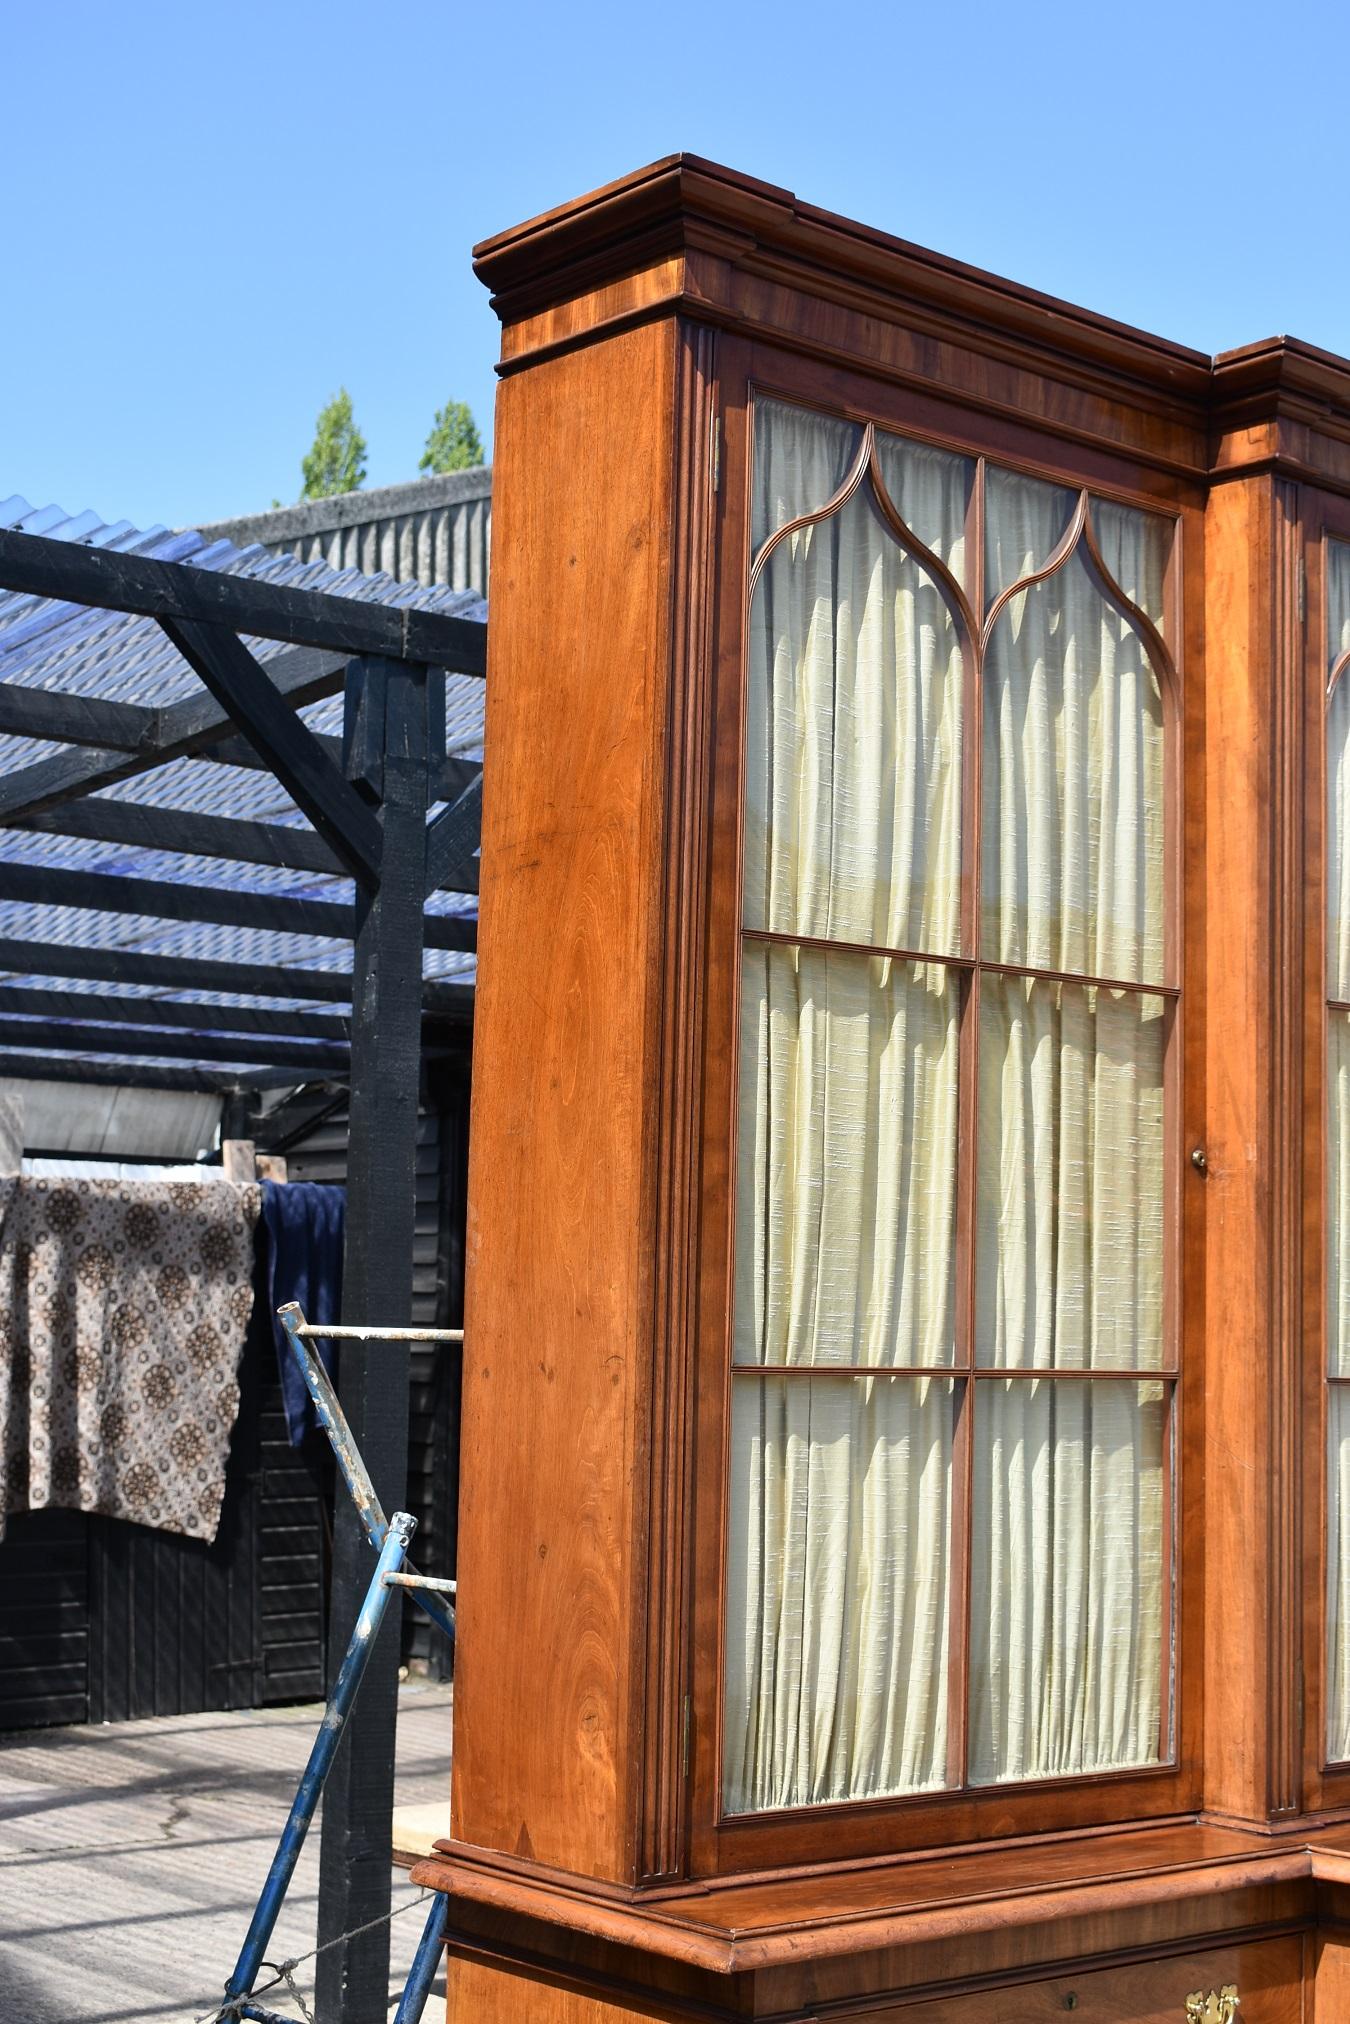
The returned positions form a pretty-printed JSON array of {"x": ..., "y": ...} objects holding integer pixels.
[{"x": 227, "y": 2012}]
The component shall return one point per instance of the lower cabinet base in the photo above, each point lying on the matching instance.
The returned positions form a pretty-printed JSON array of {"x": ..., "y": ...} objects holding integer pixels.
[
  {"x": 1255, "y": 1982},
  {"x": 1260, "y": 1983}
]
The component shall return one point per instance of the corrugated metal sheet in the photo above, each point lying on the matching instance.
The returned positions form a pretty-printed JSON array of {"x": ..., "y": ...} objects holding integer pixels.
[
  {"x": 117, "y": 1124},
  {"x": 52, "y": 645},
  {"x": 430, "y": 531}
]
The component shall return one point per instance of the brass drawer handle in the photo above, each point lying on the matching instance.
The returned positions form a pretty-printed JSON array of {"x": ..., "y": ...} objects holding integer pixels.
[{"x": 1220, "y": 2008}]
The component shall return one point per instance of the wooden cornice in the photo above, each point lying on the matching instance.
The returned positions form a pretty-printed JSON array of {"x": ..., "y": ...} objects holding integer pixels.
[
  {"x": 688, "y": 236},
  {"x": 1284, "y": 406},
  {"x": 685, "y": 205}
]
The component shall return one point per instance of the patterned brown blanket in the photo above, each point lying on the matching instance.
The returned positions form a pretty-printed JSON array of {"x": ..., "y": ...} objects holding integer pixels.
[{"x": 123, "y": 1306}]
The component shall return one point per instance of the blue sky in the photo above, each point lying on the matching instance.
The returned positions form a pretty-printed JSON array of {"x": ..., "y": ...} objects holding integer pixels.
[{"x": 216, "y": 215}]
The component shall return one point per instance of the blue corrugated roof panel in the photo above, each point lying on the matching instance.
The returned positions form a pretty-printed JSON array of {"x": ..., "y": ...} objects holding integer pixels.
[{"x": 50, "y": 644}]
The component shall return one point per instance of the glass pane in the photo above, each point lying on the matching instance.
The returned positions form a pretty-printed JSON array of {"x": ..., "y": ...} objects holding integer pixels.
[
  {"x": 1069, "y": 1252},
  {"x": 1338, "y": 601},
  {"x": 1072, "y": 876},
  {"x": 1067, "y": 1578},
  {"x": 1136, "y": 548},
  {"x": 837, "y": 1577},
  {"x": 1024, "y": 522},
  {"x": 846, "y": 1176},
  {"x": 930, "y": 490},
  {"x": 853, "y": 742},
  {"x": 1338, "y": 1194},
  {"x": 1338, "y": 1573},
  {"x": 1338, "y": 840},
  {"x": 801, "y": 460}
]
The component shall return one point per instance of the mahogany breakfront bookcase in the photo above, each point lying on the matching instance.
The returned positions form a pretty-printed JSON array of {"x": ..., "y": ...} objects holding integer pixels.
[{"x": 903, "y": 1562}]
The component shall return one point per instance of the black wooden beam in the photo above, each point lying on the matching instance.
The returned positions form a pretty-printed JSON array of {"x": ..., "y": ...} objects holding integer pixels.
[
  {"x": 192, "y": 973},
  {"x": 75, "y": 1038},
  {"x": 107, "y": 731},
  {"x": 141, "y": 1075},
  {"x": 452, "y": 841},
  {"x": 109, "y": 892},
  {"x": 195, "y": 728},
  {"x": 145, "y": 827},
  {"x": 186, "y": 1015},
  {"x": 241, "y": 686},
  {"x": 41, "y": 567},
  {"x": 184, "y": 833},
  {"x": 143, "y": 740},
  {"x": 75, "y": 720},
  {"x": 172, "y": 973}
]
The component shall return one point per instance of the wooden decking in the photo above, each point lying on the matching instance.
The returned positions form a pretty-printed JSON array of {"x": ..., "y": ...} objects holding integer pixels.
[{"x": 131, "y": 1855}]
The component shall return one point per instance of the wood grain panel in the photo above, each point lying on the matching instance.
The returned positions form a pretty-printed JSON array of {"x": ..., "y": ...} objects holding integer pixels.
[
  {"x": 1238, "y": 1154},
  {"x": 1331, "y": 1984},
  {"x": 486, "y": 1992},
  {"x": 559, "y": 1294},
  {"x": 1268, "y": 1977}
]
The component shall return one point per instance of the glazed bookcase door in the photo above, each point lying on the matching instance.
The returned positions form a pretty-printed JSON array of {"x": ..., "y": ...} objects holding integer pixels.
[
  {"x": 922, "y": 995},
  {"x": 1325, "y": 990}
]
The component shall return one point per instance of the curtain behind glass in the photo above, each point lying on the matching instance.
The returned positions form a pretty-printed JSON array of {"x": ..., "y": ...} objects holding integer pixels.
[
  {"x": 1067, "y": 1577},
  {"x": 1338, "y": 776},
  {"x": 837, "y": 1572},
  {"x": 801, "y": 460},
  {"x": 1067, "y": 1601},
  {"x": 846, "y": 1182},
  {"x": 853, "y": 752},
  {"x": 1066, "y": 1610},
  {"x": 1338, "y": 602},
  {"x": 1338, "y": 1400},
  {"x": 837, "y": 1589},
  {"x": 1073, "y": 779},
  {"x": 1338, "y": 1591},
  {"x": 1338, "y": 1159},
  {"x": 836, "y": 1655},
  {"x": 1070, "y": 1218},
  {"x": 1024, "y": 523}
]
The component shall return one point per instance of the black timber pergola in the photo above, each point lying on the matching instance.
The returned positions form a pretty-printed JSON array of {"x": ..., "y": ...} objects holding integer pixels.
[{"x": 367, "y": 797}]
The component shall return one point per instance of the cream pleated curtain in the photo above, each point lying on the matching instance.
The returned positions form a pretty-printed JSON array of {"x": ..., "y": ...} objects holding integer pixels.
[
  {"x": 1067, "y": 1580},
  {"x": 837, "y": 1595},
  {"x": 839, "y": 1619},
  {"x": 1338, "y": 1160}
]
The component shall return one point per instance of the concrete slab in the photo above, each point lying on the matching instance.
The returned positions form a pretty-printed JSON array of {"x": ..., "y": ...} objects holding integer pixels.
[{"x": 131, "y": 1856}]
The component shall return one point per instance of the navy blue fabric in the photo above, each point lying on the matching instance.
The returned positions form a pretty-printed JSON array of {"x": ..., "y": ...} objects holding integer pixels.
[{"x": 301, "y": 1226}]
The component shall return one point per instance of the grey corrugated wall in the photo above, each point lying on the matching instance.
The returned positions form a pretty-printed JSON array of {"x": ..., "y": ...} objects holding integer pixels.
[{"x": 431, "y": 531}]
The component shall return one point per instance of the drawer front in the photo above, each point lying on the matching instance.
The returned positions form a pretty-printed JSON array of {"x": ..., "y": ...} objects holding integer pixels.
[{"x": 1267, "y": 1976}]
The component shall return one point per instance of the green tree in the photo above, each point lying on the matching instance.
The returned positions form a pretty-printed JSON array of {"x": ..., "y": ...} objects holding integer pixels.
[
  {"x": 337, "y": 458},
  {"x": 454, "y": 443}
]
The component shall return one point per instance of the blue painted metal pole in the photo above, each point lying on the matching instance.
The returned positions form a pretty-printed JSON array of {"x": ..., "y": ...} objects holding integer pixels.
[
  {"x": 400, "y": 1531},
  {"x": 422, "y": 1973},
  {"x": 334, "y": 1423}
]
